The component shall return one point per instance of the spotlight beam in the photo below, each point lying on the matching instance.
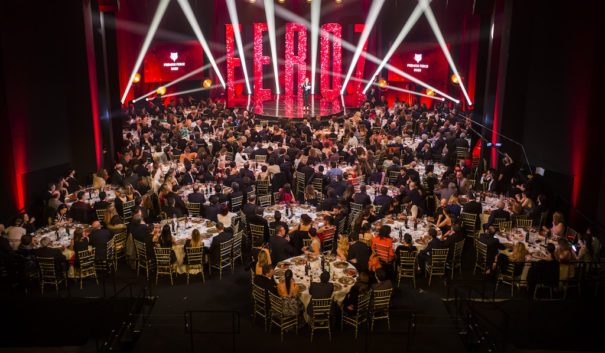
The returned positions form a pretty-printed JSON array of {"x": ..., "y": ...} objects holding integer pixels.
[
  {"x": 188, "y": 91},
  {"x": 198, "y": 33},
  {"x": 435, "y": 27},
  {"x": 371, "y": 19},
  {"x": 153, "y": 27},
  {"x": 184, "y": 77},
  {"x": 270, "y": 14},
  {"x": 411, "y": 92},
  {"x": 411, "y": 21},
  {"x": 315, "y": 12},
  {"x": 238, "y": 38}
]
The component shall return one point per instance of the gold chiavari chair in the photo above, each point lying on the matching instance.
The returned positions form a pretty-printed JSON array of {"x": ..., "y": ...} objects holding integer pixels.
[
  {"x": 163, "y": 266},
  {"x": 49, "y": 273},
  {"x": 193, "y": 208},
  {"x": 505, "y": 226},
  {"x": 127, "y": 210},
  {"x": 393, "y": 176},
  {"x": 264, "y": 200},
  {"x": 259, "y": 301},
  {"x": 318, "y": 184},
  {"x": 469, "y": 222},
  {"x": 236, "y": 203},
  {"x": 100, "y": 214},
  {"x": 120, "y": 246},
  {"x": 359, "y": 317},
  {"x": 276, "y": 197},
  {"x": 457, "y": 258},
  {"x": 279, "y": 318},
  {"x": 229, "y": 156},
  {"x": 461, "y": 153},
  {"x": 382, "y": 251},
  {"x": 262, "y": 188},
  {"x": 195, "y": 261},
  {"x": 306, "y": 242},
  {"x": 381, "y": 303},
  {"x": 225, "y": 260},
  {"x": 320, "y": 316},
  {"x": 436, "y": 267},
  {"x": 300, "y": 183},
  {"x": 86, "y": 261},
  {"x": 108, "y": 264},
  {"x": 407, "y": 266},
  {"x": 356, "y": 208},
  {"x": 342, "y": 224},
  {"x": 250, "y": 193},
  {"x": 236, "y": 252},
  {"x": 497, "y": 221},
  {"x": 257, "y": 234},
  {"x": 480, "y": 257},
  {"x": 523, "y": 223},
  {"x": 142, "y": 260},
  {"x": 328, "y": 239},
  {"x": 367, "y": 242},
  {"x": 260, "y": 158},
  {"x": 507, "y": 276}
]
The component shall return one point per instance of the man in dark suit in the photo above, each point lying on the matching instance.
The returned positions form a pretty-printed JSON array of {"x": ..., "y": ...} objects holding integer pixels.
[
  {"x": 383, "y": 200},
  {"x": 81, "y": 211},
  {"x": 493, "y": 244},
  {"x": 359, "y": 253},
  {"x": 58, "y": 257},
  {"x": 473, "y": 206},
  {"x": 246, "y": 172},
  {"x": 101, "y": 204},
  {"x": 187, "y": 178},
  {"x": 402, "y": 178},
  {"x": 196, "y": 196},
  {"x": 171, "y": 210},
  {"x": 498, "y": 213},
  {"x": 330, "y": 202},
  {"x": 362, "y": 197},
  {"x": 235, "y": 193},
  {"x": 222, "y": 237},
  {"x": 98, "y": 239},
  {"x": 218, "y": 192},
  {"x": 453, "y": 236},
  {"x": 339, "y": 186},
  {"x": 307, "y": 171},
  {"x": 321, "y": 290},
  {"x": 117, "y": 177},
  {"x": 424, "y": 255},
  {"x": 211, "y": 212},
  {"x": 249, "y": 208},
  {"x": 259, "y": 151},
  {"x": 265, "y": 280},
  {"x": 178, "y": 201},
  {"x": 280, "y": 246},
  {"x": 258, "y": 219},
  {"x": 142, "y": 232}
]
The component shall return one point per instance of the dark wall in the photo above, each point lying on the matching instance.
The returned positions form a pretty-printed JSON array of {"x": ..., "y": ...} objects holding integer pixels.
[
  {"x": 551, "y": 97},
  {"x": 45, "y": 94}
]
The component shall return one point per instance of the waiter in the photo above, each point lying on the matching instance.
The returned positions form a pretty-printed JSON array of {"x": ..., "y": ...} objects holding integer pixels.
[{"x": 306, "y": 91}]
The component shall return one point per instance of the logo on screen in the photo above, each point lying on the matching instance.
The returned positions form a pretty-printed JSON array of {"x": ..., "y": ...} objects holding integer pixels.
[
  {"x": 174, "y": 56},
  {"x": 417, "y": 57}
]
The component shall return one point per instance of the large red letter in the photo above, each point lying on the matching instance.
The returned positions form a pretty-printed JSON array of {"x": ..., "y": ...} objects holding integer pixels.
[
  {"x": 292, "y": 59},
  {"x": 232, "y": 63},
  {"x": 336, "y": 31},
  {"x": 260, "y": 93}
]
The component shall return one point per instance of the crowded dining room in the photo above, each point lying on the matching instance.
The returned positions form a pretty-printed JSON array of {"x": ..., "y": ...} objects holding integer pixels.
[{"x": 301, "y": 175}]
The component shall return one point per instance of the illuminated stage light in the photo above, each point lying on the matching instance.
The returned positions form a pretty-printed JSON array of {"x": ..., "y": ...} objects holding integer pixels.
[
  {"x": 309, "y": 1},
  {"x": 252, "y": 1},
  {"x": 161, "y": 91},
  {"x": 136, "y": 78},
  {"x": 382, "y": 83},
  {"x": 315, "y": 12},
  {"x": 198, "y": 33},
  {"x": 153, "y": 27},
  {"x": 207, "y": 83},
  {"x": 370, "y": 20},
  {"x": 270, "y": 14},
  {"x": 238, "y": 39},
  {"x": 455, "y": 79},
  {"x": 435, "y": 27},
  {"x": 411, "y": 21},
  {"x": 338, "y": 1},
  {"x": 281, "y": 1},
  {"x": 430, "y": 92}
]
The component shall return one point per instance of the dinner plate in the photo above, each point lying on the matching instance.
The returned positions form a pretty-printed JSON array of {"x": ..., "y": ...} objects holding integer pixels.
[
  {"x": 280, "y": 272},
  {"x": 300, "y": 261},
  {"x": 346, "y": 280},
  {"x": 351, "y": 272},
  {"x": 284, "y": 265},
  {"x": 302, "y": 287},
  {"x": 341, "y": 265}
]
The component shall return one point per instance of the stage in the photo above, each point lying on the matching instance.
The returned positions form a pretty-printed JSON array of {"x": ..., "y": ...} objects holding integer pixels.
[{"x": 292, "y": 107}]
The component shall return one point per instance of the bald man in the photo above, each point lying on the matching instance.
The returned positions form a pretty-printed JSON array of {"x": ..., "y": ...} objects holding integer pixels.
[{"x": 98, "y": 239}]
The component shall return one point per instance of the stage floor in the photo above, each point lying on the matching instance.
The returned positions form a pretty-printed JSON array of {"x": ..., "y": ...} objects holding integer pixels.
[{"x": 292, "y": 107}]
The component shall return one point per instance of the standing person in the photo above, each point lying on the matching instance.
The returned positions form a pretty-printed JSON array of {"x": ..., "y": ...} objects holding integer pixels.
[{"x": 306, "y": 91}]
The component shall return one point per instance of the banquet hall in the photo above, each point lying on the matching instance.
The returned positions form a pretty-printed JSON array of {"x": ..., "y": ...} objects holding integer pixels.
[{"x": 301, "y": 175}]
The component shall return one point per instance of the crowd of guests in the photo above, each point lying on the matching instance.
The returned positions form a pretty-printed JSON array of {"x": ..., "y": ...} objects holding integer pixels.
[{"x": 217, "y": 146}]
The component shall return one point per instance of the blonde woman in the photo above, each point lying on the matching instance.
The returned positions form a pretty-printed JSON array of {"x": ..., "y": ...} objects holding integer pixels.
[
  {"x": 264, "y": 258},
  {"x": 343, "y": 248},
  {"x": 194, "y": 242},
  {"x": 558, "y": 225},
  {"x": 99, "y": 180}
]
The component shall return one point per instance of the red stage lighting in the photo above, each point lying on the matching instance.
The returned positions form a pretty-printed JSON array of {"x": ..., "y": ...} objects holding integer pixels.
[
  {"x": 161, "y": 90},
  {"x": 136, "y": 78}
]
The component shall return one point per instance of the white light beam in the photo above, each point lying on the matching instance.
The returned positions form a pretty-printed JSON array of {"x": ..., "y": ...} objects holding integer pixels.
[
  {"x": 370, "y": 20},
  {"x": 435, "y": 27},
  {"x": 270, "y": 14},
  {"x": 153, "y": 27},
  {"x": 198, "y": 33},
  {"x": 238, "y": 39},
  {"x": 315, "y": 12}
]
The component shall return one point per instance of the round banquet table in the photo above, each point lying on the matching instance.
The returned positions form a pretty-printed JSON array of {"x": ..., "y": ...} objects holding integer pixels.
[
  {"x": 60, "y": 238},
  {"x": 342, "y": 274},
  {"x": 419, "y": 235}
]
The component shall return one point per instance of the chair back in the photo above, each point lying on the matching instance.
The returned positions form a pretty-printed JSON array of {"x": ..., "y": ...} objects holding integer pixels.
[
  {"x": 469, "y": 222},
  {"x": 497, "y": 222},
  {"x": 523, "y": 223},
  {"x": 237, "y": 243},
  {"x": 236, "y": 203},
  {"x": 162, "y": 256},
  {"x": 393, "y": 176},
  {"x": 260, "y": 158},
  {"x": 381, "y": 299},
  {"x": 258, "y": 295},
  {"x": 195, "y": 255},
  {"x": 225, "y": 249},
  {"x": 47, "y": 269},
  {"x": 328, "y": 238},
  {"x": 458, "y": 247},
  {"x": 318, "y": 184},
  {"x": 407, "y": 262},
  {"x": 438, "y": 259},
  {"x": 383, "y": 252},
  {"x": 262, "y": 187},
  {"x": 356, "y": 208},
  {"x": 321, "y": 309},
  {"x": 306, "y": 242},
  {"x": 481, "y": 255},
  {"x": 193, "y": 208},
  {"x": 100, "y": 214},
  {"x": 277, "y": 305},
  {"x": 264, "y": 200},
  {"x": 127, "y": 210},
  {"x": 505, "y": 226},
  {"x": 141, "y": 250},
  {"x": 342, "y": 225},
  {"x": 257, "y": 233}
]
